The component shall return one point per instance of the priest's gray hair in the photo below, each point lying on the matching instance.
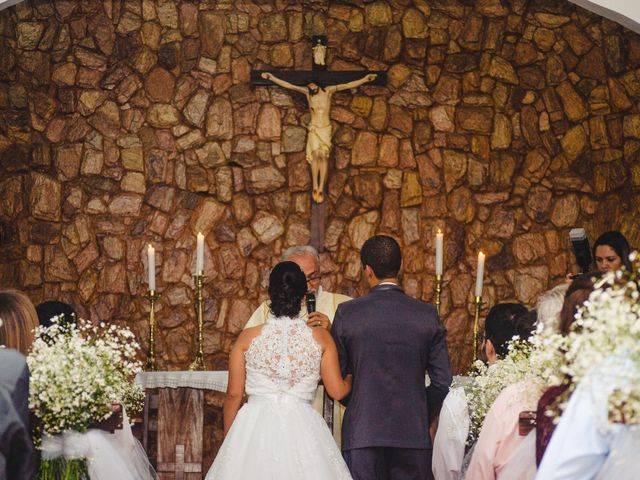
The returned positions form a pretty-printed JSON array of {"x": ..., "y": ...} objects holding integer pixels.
[
  {"x": 300, "y": 250},
  {"x": 549, "y": 306}
]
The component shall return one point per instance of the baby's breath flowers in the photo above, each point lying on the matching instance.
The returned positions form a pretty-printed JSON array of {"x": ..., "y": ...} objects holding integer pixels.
[
  {"x": 77, "y": 372},
  {"x": 489, "y": 381},
  {"x": 608, "y": 326}
]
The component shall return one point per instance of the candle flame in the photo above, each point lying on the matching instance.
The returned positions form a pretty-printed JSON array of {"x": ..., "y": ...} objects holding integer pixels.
[{"x": 439, "y": 231}]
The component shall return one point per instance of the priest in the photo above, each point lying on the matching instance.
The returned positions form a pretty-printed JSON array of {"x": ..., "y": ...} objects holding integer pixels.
[{"x": 308, "y": 259}]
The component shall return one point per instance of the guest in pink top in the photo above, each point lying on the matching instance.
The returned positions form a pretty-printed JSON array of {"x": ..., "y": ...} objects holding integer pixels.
[{"x": 500, "y": 439}]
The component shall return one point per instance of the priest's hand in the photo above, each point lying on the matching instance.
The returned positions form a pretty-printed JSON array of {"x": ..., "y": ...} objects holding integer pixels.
[{"x": 317, "y": 319}]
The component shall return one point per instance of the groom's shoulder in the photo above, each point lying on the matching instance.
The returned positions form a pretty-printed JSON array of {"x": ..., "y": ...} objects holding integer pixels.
[
  {"x": 417, "y": 306},
  {"x": 400, "y": 301},
  {"x": 349, "y": 303}
]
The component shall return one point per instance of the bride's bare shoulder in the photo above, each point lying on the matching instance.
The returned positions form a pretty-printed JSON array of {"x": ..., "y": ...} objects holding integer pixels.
[{"x": 247, "y": 335}]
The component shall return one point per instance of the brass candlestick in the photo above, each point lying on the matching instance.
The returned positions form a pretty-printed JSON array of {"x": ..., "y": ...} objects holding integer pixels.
[
  {"x": 478, "y": 303},
  {"x": 150, "y": 366},
  {"x": 198, "y": 363},
  {"x": 438, "y": 293}
]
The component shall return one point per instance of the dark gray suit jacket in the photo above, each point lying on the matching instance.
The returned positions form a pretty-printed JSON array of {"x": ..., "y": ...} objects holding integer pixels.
[
  {"x": 18, "y": 458},
  {"x": 389, "y": 340}
]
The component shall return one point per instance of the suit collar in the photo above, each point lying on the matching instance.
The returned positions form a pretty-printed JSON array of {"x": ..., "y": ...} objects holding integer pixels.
[{"x": 387, "y": 287}]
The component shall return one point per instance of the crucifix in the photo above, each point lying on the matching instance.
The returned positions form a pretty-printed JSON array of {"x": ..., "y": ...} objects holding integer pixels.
[{"x": 318, "y": 85}]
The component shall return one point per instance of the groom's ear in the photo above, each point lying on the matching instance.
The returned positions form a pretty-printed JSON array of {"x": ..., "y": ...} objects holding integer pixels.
[{"x": 368, "y": 272}]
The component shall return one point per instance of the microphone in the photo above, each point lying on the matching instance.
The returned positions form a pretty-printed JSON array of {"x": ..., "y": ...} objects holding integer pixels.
[
  {"x": 311, "y": 302},
  {"x": 580, "y": 243}
]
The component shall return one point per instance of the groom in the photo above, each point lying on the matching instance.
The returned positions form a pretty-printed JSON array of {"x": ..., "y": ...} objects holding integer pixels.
[{"x": 389, "y": 340}]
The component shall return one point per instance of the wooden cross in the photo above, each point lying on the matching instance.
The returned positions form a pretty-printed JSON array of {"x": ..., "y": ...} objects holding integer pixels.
[
  {"x": 179, "y": 467},
  {"x": 318, "y": 84}
]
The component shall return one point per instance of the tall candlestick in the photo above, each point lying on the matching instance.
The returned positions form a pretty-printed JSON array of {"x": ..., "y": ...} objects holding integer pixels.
[
  {"x": 151, "y": 353},
  {"x": 439, "y": 252},
  {"x": 438, "y": 294},
  {"x": 198, "y": 363},
  {"x": 200, "y": 255},
  {"x": 151, "y": 267},
  {"x": 476, "y": 323},
  {"x": 480, "y": 274}
]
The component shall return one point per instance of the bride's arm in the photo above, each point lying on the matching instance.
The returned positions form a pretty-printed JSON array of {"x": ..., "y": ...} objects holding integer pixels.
[
  {"x": 235, "y": 387},
  {"x": 336, "y": 386}
]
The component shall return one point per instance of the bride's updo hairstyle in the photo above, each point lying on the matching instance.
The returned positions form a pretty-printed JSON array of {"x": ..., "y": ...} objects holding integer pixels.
[{"x": 287, "y": 286}]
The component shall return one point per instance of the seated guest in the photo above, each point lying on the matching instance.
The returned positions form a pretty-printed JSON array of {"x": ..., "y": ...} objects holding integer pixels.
[
  {"x": 501, "y": 452},
  {"x": 53, "y": 308},
  {"x": 577, "y": 293},
  {"x": 499, "y": 437},
  {"x": 586, "y": 444},
  {"x": 611, "y": 251},
  {"x": 18, "y": 459},
  {"x": 503, "y": 322},
  {"x": 549, "y": 305},
  {"x": 19, "y": 320}
]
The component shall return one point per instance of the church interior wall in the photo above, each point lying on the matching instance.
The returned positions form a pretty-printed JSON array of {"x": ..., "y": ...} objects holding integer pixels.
[{"x": 123, "y": 124}]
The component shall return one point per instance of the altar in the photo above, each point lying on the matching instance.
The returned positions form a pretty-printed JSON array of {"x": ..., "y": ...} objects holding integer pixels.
[{"x": 175, "y": 433}]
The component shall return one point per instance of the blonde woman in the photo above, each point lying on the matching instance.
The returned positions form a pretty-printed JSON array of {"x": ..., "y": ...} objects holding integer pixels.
[{"x": 19, "y": 320}]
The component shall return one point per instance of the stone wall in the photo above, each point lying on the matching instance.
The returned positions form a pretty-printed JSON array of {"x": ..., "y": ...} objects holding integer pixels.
[{"x": 124, "y": 123}]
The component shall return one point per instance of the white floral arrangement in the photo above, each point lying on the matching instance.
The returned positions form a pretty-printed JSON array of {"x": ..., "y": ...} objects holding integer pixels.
[
  {"x": 78, "y": 372},
  {"x": 537, "y": 362},
  {"x": 608, "y": 325}
]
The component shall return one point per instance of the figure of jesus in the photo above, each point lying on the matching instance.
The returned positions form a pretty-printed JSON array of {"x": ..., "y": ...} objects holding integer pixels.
[{"x": 319, "y": 136}]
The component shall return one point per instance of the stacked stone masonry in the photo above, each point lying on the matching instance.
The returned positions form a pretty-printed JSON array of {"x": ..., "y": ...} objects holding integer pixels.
[{"x": 127, "y": 123}]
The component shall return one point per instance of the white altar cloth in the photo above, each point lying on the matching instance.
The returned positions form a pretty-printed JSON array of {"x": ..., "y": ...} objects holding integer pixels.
[{"x": 207, "y": 380}]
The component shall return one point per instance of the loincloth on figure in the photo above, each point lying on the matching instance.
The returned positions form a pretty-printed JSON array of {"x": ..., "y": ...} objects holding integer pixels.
[{"x": 319, "y": 139}]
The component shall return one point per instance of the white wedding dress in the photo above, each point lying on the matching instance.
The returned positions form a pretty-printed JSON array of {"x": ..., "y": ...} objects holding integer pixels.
[{"x": 277, "y": 434}]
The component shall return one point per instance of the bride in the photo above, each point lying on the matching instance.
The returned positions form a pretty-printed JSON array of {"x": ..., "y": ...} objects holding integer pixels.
[{"x": 277, "y": 434}]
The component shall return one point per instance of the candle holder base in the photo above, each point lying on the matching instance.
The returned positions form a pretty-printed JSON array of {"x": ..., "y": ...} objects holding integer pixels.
[
  {"x": 198, "y": 363},
  {"x": 150, "y": 364}
]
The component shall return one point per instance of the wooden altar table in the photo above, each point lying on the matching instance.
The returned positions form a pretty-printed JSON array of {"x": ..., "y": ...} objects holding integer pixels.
[{"x": 174, "y": 418}]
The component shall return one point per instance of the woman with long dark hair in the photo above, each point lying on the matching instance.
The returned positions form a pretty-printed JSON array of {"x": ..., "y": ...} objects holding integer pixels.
[{"x": 611, "y": 251}]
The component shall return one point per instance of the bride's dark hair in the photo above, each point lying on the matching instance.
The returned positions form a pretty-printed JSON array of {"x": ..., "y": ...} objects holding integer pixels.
[{"x": 287, "y": 286}]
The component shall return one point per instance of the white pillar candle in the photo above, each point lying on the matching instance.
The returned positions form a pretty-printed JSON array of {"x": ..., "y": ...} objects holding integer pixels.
[
  {"x": 480, "y": 274},
  {"x": 439, "y": 252},
  {"x": 151, "y": 267},
  {"x": 200, "y": 255}
]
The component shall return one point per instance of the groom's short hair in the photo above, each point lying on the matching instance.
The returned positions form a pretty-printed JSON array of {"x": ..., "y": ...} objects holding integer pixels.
[{"x": 382, "y": 254}]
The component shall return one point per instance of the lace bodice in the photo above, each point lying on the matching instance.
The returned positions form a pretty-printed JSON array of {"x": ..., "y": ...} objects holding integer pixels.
[{"x": 284, "y": 358}]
